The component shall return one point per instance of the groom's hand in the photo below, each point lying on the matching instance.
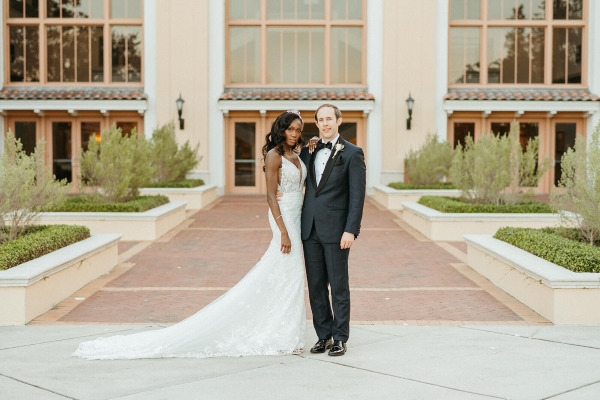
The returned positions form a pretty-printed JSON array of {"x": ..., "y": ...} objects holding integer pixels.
[
  {"x": 279, "y": 196},
  {"x": 347, "y": 240}
]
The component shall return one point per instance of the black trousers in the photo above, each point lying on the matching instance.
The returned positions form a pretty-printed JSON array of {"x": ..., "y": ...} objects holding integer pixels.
[{"x": 327, "y": 265}]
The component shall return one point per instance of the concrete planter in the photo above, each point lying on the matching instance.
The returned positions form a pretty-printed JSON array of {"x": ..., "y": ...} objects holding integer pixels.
[
  {"x": 197, "y": 198},
  {"x": 392, "y": 199},
  {"x": 148, "y": 225},
  {"x": 32, "y": 288},
  {"x": 557, "y": 294},
  {"x": 437, "y": 225}
]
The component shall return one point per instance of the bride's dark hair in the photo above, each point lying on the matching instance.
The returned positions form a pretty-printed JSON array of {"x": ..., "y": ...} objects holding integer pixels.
[{"x": 275, "y": 138}]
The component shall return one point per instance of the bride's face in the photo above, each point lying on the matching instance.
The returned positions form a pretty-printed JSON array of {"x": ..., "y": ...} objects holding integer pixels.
[{"x": 293, "y": 133}]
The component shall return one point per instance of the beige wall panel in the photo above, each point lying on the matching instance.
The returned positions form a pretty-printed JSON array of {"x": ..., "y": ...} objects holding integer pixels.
[
  {"x": 182, "y": 67},
  {"x": 408, "y": 66}
]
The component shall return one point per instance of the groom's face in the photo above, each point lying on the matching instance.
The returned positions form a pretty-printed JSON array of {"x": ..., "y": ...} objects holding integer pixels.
[{"x": 327, "y": 123}]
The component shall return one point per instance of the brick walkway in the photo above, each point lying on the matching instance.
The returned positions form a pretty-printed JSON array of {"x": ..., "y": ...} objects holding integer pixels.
[{"x": 397, "y": 276}]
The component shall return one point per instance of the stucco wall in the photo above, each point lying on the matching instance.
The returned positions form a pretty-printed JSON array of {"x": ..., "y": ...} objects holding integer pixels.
[
  {"x": 182, "y": 67},
  {"x": 408, "y": 66}
]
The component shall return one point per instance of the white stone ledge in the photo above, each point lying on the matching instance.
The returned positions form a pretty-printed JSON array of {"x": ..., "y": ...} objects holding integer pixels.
[
  {"x": 436, "y": 225},
  {"x": 32, "y": 288},
  {"x": 558, "y": 294},
  {"x": 147, "y": 225},
  {"x": 196, "y": 198},
  {"x": 392, "y": 198}
]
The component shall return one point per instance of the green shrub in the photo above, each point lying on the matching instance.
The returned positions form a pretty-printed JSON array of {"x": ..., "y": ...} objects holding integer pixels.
[
  {"x": 455, "y": 205},
  {"x": 494, "y": 169},
  {"x": 569, "y": 233},
  {"x": 431, "y": 163},
  {"x": 38, "y": 241},
  {"x": 186, "y": 183},
  {"x": 579, "y": 187},
  {"x": 94, "y": 203},
  {"x": 27, "y": 185},
  {"x": 119, "y": 165},
  {"x": 171, "y": 162},
  {"x": 410, "y": 186},
  {"x": 570, "y": 254}
]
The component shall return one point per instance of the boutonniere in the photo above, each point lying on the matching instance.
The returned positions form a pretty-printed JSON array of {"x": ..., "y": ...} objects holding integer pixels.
[{"x": 338, "y": 147}]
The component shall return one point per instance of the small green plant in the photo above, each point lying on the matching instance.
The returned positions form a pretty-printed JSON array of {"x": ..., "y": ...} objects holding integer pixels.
[
  {"x": 171, "y": 162},
  {"x": 27, "y": 186},
  {"x": 495, "y": 169},
  {"x": 430, "y": 164},
  {"x": 457, "y": 205},
  {"x": 578, "y": 190},
  {"x": 118, "y": 165}
]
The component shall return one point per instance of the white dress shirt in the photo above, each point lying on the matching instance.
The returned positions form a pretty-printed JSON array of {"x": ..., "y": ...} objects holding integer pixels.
[{"x": 321, "y": 159}]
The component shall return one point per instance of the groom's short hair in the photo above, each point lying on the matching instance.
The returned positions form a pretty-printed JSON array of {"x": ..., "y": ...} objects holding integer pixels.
[{"x": 338, "y": 113}]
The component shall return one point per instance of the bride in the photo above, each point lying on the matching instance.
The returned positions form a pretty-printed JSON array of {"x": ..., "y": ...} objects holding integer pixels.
[{"x": 264, "y": 314}]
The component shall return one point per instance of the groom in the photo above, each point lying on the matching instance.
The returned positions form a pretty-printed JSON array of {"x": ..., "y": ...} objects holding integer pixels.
[{"x": 331, "y": 215}]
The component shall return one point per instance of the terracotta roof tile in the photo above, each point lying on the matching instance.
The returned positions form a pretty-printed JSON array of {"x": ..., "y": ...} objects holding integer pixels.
[
  {"x": 296, "y": 94},
  {"x": 522, "y": 94},
  {"x": 72, "y": 94}
]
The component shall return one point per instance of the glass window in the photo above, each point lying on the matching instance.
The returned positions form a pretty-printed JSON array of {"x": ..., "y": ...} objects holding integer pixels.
[
  {"x": 23, "y": 9},
  {"x": 461, "y": 131},
  {"x": 500, "y": 128},
  {"x": 295, "y": 55},
  {"x": 73, "y": 53},
  {"x": 465, "y": 9},
  {"x": 25, "y": 132},
  {"x": 24, "y": 54},
  {"x": 125, "y": 9},
  {"x": 75, "y": 8},
  {"x": 464, "y": 55},
  {"x": 245, "y": 154},
  {"x": 567, "y": 9},
  {"x": 516, "y": 9},
  {"x": 127, "y": 127},
  {"x": 516, "y": 55},
  {"x": 565, "y": 134},
  {"x": 244, "y": 54},
  {"x": 346, "y": 9},
  {"x": 294, "y": 9},
  {"x": 566, "y": 55},
  {"x": 89, "y": 131},
  {"x": 244, "y": 9},
  {"x": 126, "y": 54},
  {"x": 346, "y": 55}
]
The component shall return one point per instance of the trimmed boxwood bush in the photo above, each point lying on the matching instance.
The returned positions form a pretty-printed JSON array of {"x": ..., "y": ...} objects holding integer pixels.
[
  {"x": 568, "y": 253},
  {"x": 186, "y": 183},
  {"x": 413, "y": 186},
  {"x": 456, "y": 205},
  {"x": 92, "y": 203},
  {"x": 38, "y": 241}
]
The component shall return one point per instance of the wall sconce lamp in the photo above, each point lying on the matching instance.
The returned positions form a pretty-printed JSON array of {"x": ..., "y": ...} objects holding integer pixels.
[
  {"x": 410, "y": 102},
  {"x": 179, "y": 103}
]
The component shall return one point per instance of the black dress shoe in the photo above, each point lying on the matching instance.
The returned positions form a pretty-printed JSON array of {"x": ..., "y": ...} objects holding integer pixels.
[
  {"x": 338, "y": 348},
  {"x": 321, "y": 346}
]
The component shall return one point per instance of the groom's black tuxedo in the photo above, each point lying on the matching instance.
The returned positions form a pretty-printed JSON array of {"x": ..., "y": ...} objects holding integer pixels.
[{"x": 332, "y": 207}]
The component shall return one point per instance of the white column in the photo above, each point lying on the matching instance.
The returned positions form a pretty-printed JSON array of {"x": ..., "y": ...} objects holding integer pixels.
[
  {"x": 216, "y": 73},
  {"x": 375, "y": 82},
  {"x": 2, "y": 132},
  {"x": 594, "y": 60},
  {"x": 441, "y": 67},
  {"x": 150, "y": 61}
]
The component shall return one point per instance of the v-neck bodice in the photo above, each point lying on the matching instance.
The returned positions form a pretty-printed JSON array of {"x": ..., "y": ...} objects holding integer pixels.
[{"x": 292, "y": 177}]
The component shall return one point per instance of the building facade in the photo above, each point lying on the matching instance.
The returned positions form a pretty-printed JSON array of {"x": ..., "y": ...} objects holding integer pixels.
[{"x": 71, "y": 68}]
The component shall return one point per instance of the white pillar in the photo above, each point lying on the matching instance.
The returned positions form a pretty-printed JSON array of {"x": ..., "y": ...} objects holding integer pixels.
[
  {"x": 150, "y": 61},
  {"x": 441, "y": 67},
  {"x": 216, "y": 73},
  {"x": 2, "y": 132},
  {"x": 375, "y": 82},
  {"x": 594, "y": 61}
]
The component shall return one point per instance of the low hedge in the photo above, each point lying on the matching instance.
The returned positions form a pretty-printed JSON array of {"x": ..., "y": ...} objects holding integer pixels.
[
  {"x": 412, "y": 186},
  {"x": 186, "y": 183},
  {"x": 571, "y": 254},
  {"x": 38, "y": 241},
  {"x": 457, "y": 205},
  {"x": 91, "y": 203}
]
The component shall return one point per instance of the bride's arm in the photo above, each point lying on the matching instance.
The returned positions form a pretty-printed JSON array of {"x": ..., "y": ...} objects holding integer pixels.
[{"x": 272, "y": 164}]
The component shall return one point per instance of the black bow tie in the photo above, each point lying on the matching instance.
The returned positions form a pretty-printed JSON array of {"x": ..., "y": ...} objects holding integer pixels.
[{"x": 321, "y": 145}]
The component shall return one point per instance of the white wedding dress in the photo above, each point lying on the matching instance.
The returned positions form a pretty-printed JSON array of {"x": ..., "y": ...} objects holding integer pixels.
[{"x": 264, "y": 314}]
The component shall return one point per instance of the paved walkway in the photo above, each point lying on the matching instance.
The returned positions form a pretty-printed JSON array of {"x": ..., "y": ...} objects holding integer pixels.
[{"x": 397, "y": 276}]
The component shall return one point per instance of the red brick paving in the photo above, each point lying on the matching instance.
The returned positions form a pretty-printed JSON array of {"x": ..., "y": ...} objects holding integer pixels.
[{"x": 393, "y": 275}]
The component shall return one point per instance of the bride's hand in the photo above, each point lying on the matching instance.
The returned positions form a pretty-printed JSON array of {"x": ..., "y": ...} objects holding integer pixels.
[
  {"x": 286, "y": 244},
  {"x": 312, "y": 143}
]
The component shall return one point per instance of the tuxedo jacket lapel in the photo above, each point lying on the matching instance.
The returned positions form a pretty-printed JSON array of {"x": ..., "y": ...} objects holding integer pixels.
[
  {"x": 328, "y": 167},
  {"x": 311, "y": 170}
]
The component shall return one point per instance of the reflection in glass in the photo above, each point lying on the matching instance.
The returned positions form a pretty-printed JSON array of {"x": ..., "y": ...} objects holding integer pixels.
[
  {"x": 15, "y": 9},
  {"x": 244, "y": 9},
  {"x": 125, "y": 9},
  {"x": 566, "y": 55},
  {"x": 97, "y": 53},
  {"x": 465, "y": 9},
  {"x": 25, "y": 132},
  {"x": 68, "y": 9},
  {"x": 461, "y": 131},
  {"x": 24, "y": 53},
  {"x": 527, "y": 131},
  {"x": 295, "y": 55},
  {"x": 346, "y": 9},
  {"x": 83, "y": 54},
  {"x": 567, "y": 9},
  {"x": 244, "y": 54},
  {"x": 348, "y": 132},
  {"x": 500, "y": 128},
  {"x": 245, "y": 154},
  {"x": 464, "y": 55},
  {"x": 89, "y": 131},
  {"x": 89, "y": 9},
  {"x": 565, "y": 139},
  {"x": 53, "y": 8},
  {"x": 17, "y": 57},
  {"x": 516, "y": 54},
  {"x": 346, "y": 55},
  {"x": 68, "y": 54},
  {"x": 32, "y": 54},
  {"x": 53, "y": 53},
  {"x": 293, "y": 9},
  {"x": 516, "y": 9},
  {"x": 61, "y": 150},
  {"x": 126, "y": 54}
]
